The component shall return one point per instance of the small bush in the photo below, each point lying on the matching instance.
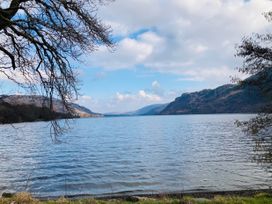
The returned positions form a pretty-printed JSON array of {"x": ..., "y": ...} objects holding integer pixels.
[
  {"x": 24, "y": 198},
  {"x": 263, "y": 195}
]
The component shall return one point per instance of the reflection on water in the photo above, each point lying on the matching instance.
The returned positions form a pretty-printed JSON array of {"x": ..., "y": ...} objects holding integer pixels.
[
  {"x": 134, "y": 154},
  {"x": 263, "y": 152}
]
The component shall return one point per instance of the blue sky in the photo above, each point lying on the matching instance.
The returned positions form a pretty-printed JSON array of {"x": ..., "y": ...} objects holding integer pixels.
[{"x": 163, "y": 49}]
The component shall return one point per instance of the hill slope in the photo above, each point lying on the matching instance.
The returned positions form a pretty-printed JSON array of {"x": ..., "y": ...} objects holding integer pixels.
[
  {"x": 245, "y": 98},
  {"x": 15, "y": 108}
]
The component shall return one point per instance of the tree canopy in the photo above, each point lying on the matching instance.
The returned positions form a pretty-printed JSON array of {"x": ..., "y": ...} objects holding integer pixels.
[
  {"x": 256, "y": 51},
  {"x": 39, "y": 38}
]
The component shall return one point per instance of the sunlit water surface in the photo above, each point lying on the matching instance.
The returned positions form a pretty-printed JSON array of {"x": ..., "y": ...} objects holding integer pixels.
[{"x": 151, "y": 154}]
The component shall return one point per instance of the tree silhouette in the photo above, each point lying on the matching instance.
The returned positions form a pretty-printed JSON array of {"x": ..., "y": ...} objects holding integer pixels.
[
  {"x": 256, "y": 52},
  {"x": 39, "y": 38}
]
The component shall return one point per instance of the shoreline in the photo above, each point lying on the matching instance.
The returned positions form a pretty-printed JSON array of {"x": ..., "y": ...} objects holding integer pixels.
[
  {"x": 195, "y": 194},
  {"x": 158, "y": 195},
  {"x": 212, "y": 197}
]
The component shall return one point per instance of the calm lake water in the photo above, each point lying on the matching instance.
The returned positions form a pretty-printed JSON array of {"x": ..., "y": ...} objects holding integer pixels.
[{"x": 151, "y": 154}]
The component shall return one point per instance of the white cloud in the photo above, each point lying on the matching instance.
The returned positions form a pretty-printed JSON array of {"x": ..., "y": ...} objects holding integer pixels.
[
  {"x": 124, "y": 97},
  {"x": 89, "y": 102},
  {"x": 149, "y": 97},
  {"x": 85, "y": 98},
  {"x": 120, "y": 102},
  {"x": 151, "y": 38},
  {"x": 155, "y": 84},
  {"x": 9, "y": 74},
  {"x": 125, "y": 102},
  {"x": 118, "y": 29},
  {"x": 199, "y": 48},
  {"x": 215, "y": 75},
  {"x": 196, "y": 7},
  {"x": 128, "y": 101},
  {"x": 128, "y": 53},
  {"x": 194, "y": 35},
  {"x": 192, "y": 39},
  {"x": 142, "y": 96}
]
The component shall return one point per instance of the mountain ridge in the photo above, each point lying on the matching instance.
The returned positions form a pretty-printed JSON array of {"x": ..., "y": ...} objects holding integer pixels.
[{"x": 229, "y": 98}]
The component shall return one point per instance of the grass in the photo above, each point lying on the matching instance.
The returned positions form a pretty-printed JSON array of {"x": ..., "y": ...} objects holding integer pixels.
[{"x": 26, "y": 198}]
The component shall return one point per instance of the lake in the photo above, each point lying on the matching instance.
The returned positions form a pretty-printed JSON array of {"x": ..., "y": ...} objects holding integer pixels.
[{"x": 134, "y": 155}]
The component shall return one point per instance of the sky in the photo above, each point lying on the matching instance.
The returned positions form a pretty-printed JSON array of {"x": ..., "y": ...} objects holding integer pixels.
[{"x": 165, "y": 48}]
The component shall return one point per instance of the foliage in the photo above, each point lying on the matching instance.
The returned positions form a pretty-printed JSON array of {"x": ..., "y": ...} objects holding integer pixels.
[
  {"x": 27, "y": 113},
  {"x": 256, "y": 52}
]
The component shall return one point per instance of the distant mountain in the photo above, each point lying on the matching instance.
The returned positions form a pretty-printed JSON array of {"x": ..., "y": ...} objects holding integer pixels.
[
  {"x": 154, "y": 109},
  {"x": 149, "y": 110},
  {"x": 245, "y": 98},
  {"x": 22, "y": 108}
]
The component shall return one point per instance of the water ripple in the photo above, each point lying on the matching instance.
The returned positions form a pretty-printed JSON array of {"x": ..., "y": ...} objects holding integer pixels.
[{"x": 134, "y": 155}]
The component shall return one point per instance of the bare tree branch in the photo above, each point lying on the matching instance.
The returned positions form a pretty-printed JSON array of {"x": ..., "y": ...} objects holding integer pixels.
[
  {"x": 38, "y": 38},
  {"x": 256, "y": 52}
]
